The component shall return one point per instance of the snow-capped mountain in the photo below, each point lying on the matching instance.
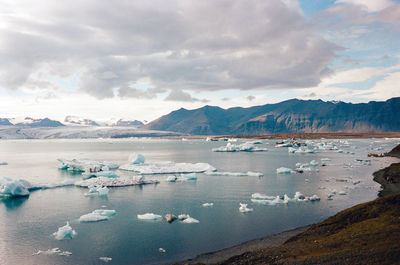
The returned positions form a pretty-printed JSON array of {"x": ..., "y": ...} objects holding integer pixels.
[
  {"x": 46, "y": 122},
  {"x": 78, "y": 121}
]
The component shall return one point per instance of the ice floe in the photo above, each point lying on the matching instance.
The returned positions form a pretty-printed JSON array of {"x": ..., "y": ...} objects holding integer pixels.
[
  {"x": 105, "y": 259},
  {"x": 115, "y": 182},
  {"x": 149, "y": 216},
  {"x": 190, "y": 220},
  {"x": 171, "y": 178},
  {"x": 14, "y": 188},
  {"x": 208, "y": 204},
  {"x": 86, "y": 165},
  {"x": 97, "y": 215},
  {"x": 187, "y": 177},
  {"x": 106, "y": 174},
  {"x": 167, "y": 168},
  {"x": 161, "y": 250},
  {"x": 183, "y": 216},
  {"x": 65, "y": 232},
  {"x": 284, "y": 170},
  {"x": 135, "y": 159},
  {"x": 285, "y": 199},
  {"x": 243, "y": 208},
  {"x": 53, "y": 251},
  {"x": 245, "y": 147}
]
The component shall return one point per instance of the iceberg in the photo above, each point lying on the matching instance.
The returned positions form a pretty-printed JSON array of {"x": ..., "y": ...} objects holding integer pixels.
[
  {"x": 107, "y": 174},
  {"x": 243, "y": 208},
  {"x": 135, "y": 159},
  {"x": 86, "y": 165},
  {"x": 183, "y": 216},
  {"x": 245, "y": 147},
  {"x": 114, "y": 182},
  {"x": 53, "y": 251},
  {"x": 105, "y": 259},
  {"x": 149, "y": 216},
  {"x": 167, "y": 168},
  {"x": 208, "y": 204},
  {"x": 14, "y": 188},
  {"x": 190, "y": 220},
  {"x": 342, "y": 192},
  {"x": 273, "y": 200},
  {"x": 284, "y": 170},
  {"x": 161, "y": 250},
  {"x": 97, "y": 215},
  {"x": 314, "y": 163},
  {"x": 171, "y": 178},
  {"x": 187, "y": 177},
  {"x": 65, "y": 232}
]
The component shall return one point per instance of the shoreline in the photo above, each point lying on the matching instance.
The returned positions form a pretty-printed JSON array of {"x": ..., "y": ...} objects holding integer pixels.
[
  {"x": 269, "y": 241},
  {"x": 384, "y": 177}
]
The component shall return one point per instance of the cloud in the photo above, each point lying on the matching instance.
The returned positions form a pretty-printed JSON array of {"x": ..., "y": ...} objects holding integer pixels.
[
  {"x": 179, "y": 45},
  {"x": 179, "y": 95},
  {"x": 370, "y": 5},
  {"x": 250, "y": 98}
]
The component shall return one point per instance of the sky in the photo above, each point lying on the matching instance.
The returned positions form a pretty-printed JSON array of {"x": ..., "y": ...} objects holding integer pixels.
[{"x": 140, "y": 60}]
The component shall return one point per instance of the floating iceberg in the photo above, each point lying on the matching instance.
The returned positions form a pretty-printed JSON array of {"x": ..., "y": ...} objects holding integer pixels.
[
  {"x": 53, "y": 251},
  {"x": 285, "y": 199},
  {"x": 97, "y": 215},
  {"x": 245, "y": 147},
  {"x": 234, "y": 174},
  {"x": 86, "y": 165},
  {"x": 314, "y": 163},
  {"x": 243, "y": 208},
  {"x": 149, "y": 216},
  {"x": 171, "y": 178},
  {"x": 65, "y": 232},
  {"x": 114, "y": 182},
  {"x": 187, "y": 177},
  {"x": 135, "y": 159},
  {"x": 190, "y": 220},
  {"x": 183, "y": 216},
  {"x": 208, "y": 204},
  {"x": 325, "y": 159},
  {"x": 167, "y": 168},
  {"x": 284, "y": 170},
  {"x": 105, "y": 259},
  {"x": 161, "y": 250},
  {"x": 14, "y": 188},
  {"x": 106, "y": 174}
]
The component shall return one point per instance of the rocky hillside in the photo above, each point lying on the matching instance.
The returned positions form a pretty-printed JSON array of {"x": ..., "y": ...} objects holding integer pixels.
[{"x": 286, "y": 117}]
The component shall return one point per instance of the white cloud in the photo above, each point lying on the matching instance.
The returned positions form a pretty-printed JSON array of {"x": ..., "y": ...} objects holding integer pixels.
[
  {"x": 370, "y": 5},
  {"x": 197, "y": 45}
]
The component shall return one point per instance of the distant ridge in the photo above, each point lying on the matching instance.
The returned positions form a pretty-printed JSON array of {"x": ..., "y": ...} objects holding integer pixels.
[{"x": 291, "y": 116}]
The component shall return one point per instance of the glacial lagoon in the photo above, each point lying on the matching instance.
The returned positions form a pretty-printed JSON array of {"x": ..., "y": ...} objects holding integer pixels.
[{"x": 342, "y": 178}]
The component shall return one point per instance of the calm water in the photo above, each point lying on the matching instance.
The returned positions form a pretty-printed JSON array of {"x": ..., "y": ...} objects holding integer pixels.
[{"x": 26, "y": 224}]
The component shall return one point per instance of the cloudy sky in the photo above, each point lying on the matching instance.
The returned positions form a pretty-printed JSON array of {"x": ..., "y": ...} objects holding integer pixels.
[{"x": 142, "y": 59}]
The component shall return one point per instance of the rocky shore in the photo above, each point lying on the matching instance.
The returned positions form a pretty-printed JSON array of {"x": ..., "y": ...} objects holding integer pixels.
[{"x": 367, "y": 233}]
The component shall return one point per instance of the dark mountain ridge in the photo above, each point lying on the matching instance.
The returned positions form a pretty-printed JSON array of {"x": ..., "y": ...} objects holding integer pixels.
[{"x": 289, "y": 116}]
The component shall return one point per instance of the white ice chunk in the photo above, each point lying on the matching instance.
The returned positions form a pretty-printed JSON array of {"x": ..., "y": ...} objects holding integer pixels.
[
  {"x": 171, "y": 178},
  {"x": 86, "y": 165},
  {"x": 183, "y": 216},
  {"x": 135, "y": 159},
  {"x": 106, "y": 174},
  {"x": 208, "y": 204},
  {"x": 168, "y": 168},
  {"x": 97, "y": 215},
  {"x": 245, "y": 147},
  {"x": 65, "y": 232},
  {"x": 114, "y": 182},
  {"x": 314, "y": 163},
  {"x": 342, "y": 192},
  {"x": 161, "y": 250},
  {"x": 243, "y": 208},
  {"x": 260, "y": 196},
  {"x": 53, "y": 251},
  {"x": 190, "y": 220},
  {"x": 105, "y": 259},
  {"x": 284, "y": 170},
  {"x": 14, "y": 188},
  {"x": 149, "y": 216},
  {"x": 187, "y": 177}
]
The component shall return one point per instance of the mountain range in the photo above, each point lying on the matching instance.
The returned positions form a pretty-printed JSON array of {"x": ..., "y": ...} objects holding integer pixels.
[{"x": 285, "y": 117}]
